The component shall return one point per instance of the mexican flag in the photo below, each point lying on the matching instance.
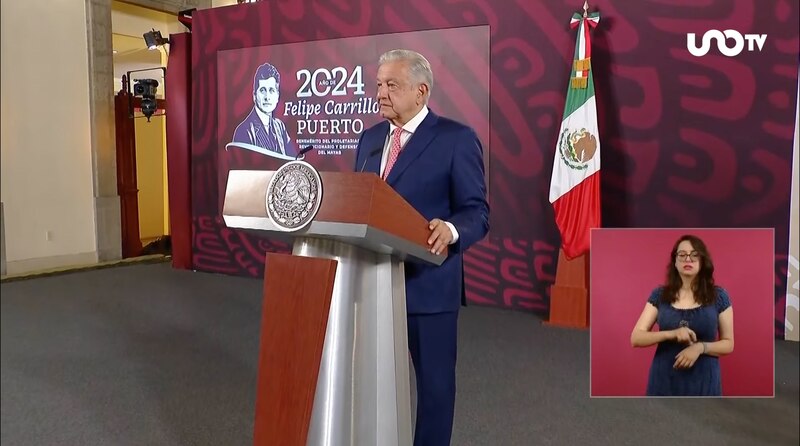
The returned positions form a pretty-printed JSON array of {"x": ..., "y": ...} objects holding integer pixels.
[{"x": 575, "y": 184}]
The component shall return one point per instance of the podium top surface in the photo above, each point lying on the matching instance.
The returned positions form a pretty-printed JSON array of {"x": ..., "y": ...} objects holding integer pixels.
[{"x": 356, "y": 208}]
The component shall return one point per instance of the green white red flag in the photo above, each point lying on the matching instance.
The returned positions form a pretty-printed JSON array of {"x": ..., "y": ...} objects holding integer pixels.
[{"x": 575, "y": 182}]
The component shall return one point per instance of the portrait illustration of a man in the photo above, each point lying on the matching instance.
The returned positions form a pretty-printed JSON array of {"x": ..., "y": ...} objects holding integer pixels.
[{"x": 261, "y": 131}]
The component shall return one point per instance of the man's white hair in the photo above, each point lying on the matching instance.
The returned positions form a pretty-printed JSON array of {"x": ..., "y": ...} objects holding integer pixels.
[{"x": 418, "y": 65}]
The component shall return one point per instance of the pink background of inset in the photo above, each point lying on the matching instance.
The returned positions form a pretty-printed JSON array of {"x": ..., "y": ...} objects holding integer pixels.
[{"x": 627, "y": 264}]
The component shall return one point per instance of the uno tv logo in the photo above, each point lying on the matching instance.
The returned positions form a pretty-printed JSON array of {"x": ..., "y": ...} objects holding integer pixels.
[{"x": 722, "y": 37}]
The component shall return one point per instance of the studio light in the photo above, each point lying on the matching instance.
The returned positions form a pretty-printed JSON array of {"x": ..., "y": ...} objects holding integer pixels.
[{"x": 153, "y": 39}]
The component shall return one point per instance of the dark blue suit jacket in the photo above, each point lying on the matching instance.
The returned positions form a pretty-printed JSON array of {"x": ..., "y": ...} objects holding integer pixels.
[{"x": 440, "y": 172}]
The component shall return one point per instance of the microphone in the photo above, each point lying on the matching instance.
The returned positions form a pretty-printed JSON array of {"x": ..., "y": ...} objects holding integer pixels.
[
  {"x": 371, "y": 154},
  {"x": 303, "y": 152}
]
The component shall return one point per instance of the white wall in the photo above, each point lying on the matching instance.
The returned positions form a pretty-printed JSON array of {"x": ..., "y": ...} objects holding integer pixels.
[
  {"x": 45, "y": 145},
  {"x": 218, "y": 3}
]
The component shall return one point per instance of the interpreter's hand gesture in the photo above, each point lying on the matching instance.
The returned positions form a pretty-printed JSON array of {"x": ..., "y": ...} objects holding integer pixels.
[
  {"x": 687, "y": 357},
  {"x": 684, "y": 335}
]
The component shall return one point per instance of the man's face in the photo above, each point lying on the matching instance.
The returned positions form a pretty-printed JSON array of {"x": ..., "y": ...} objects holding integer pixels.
[
  {"x": 399, "y": 97},
  {"x": 266, "y": 95}
]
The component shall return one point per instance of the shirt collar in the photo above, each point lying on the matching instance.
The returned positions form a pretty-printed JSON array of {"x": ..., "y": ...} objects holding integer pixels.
[
  {"x": 413, "y": 123},
  {"x": 265, "y": 118}
]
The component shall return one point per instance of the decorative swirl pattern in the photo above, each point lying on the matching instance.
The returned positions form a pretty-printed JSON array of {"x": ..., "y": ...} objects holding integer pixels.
[{"x": 684, "y": 140}]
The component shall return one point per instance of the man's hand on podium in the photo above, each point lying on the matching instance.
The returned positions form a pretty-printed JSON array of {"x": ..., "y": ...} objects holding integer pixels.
[{"x": 441, "y": 235}]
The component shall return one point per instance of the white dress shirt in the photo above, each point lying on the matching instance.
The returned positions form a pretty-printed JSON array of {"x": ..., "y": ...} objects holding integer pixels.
[{"x": 408, "y": 131}]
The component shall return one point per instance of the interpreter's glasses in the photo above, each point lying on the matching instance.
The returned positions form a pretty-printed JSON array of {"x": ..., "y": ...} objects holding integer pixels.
[{"x": 688, "y": 256}]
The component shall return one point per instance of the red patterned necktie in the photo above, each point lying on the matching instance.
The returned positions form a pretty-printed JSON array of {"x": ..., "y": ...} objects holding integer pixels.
[{"x": 393, "y": 152}]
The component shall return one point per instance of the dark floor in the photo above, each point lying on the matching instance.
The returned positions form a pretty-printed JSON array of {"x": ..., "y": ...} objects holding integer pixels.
[{"x": 148, "y": 355}]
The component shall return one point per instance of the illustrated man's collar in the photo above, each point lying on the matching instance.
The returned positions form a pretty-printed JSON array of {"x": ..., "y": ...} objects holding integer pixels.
[{"x": 264, "y": 117}]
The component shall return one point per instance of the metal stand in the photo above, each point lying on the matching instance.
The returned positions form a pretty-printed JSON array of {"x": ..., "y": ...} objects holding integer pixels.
[{"x": 363, "y": 395}]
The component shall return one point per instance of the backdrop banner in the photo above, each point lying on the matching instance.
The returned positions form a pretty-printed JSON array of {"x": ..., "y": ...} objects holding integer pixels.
[{"x": 697, "y": 125}]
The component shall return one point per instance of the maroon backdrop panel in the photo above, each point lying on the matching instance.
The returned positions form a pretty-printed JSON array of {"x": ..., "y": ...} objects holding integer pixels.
[
  {"x": 628, "y": 264},
  {"x": 686, "y": 141},
  {"x": 179, "y": 143}
]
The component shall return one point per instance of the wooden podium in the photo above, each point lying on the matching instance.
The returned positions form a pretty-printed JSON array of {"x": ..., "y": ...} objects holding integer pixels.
[{"x": 333, "y": 362}]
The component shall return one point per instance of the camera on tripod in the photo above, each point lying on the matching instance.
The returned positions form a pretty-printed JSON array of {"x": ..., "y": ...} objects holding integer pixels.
[{"x": 146, "y": 88}]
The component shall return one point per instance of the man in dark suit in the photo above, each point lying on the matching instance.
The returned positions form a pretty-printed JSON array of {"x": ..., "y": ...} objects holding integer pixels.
[
  {"x": 261, "y": 131},
  {"x": 436, "y": 164}
]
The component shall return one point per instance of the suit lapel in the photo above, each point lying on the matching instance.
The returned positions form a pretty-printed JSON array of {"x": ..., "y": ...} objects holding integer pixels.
[
  {"x": 419, "y": 141},
  {"x": 259, "y": 132}
]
